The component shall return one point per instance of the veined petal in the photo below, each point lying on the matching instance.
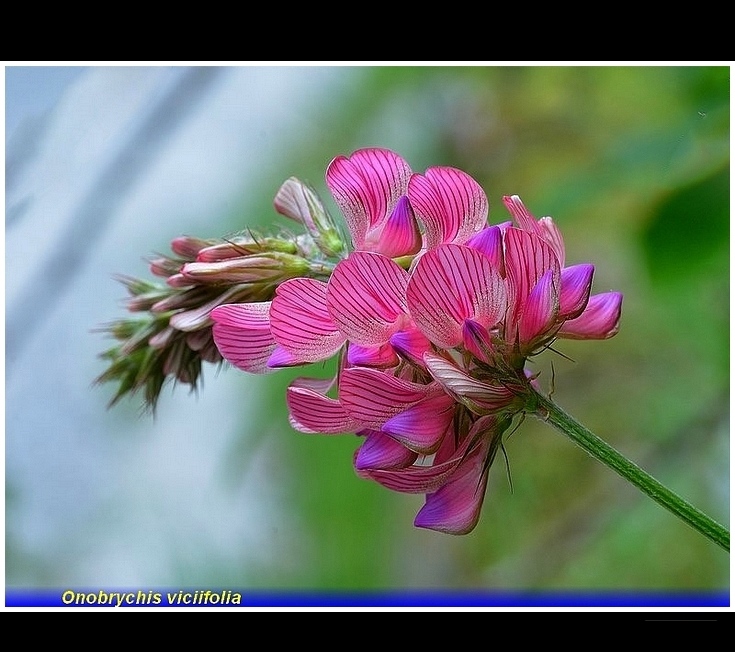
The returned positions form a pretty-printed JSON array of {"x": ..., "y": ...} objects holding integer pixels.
[
  {"x": 450, "y": 284},
  {"x": 381, "y": 451},
  {"x": 527, "y": 259},
  {"x": 366, "y": 187},
  {"x": 479, "y": 397},
  {"x": 543, "y": 228},
  {"x": 599, "y": 320},
  {"x": 520, "y": 213},
  {"x": 365, "y": 297},
  {"x": 576, "y": 282},
  {"x": 300, "y": 321},
  {"x": 310, "y": 411},
  {"x": 550, "y": 232},
  {"x": 450, "y": 203},
  {"x": 540, "y": 309},
  {"x": 400, "y": 236},
  {"x": 242, "y": 334}
]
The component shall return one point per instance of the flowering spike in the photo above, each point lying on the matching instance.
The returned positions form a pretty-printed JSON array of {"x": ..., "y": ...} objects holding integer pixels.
[{"x": 433, "y": 314}]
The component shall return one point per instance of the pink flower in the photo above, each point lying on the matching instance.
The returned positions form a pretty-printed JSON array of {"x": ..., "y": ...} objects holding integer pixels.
[
  {"x": 432, "y": 347},
  {"x": 370, "y": 189}
]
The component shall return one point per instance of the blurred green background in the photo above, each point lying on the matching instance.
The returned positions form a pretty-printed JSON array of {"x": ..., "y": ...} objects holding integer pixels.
[{"x": 632, "y": 162}]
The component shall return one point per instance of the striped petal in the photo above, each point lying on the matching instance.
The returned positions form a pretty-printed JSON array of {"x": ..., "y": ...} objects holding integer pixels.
[
  {"x": 311, "y": 411},
  {"x": 367, "y": 186},
  {"x": 450, "y": 284},
  {"x": 478, "y": 396},
  {"x": 527, "y": 259},
  {"x": 450, "y": 203},
  {"x": 415, "y": 415},
  {"x": 365, "y": 297},
  {"x": 600, "y": 320},
  {"x": 380, "y": 451},
  {"x": 543, "y": 228},
  {"x": 300, "y": 322},
  {"x": 416, "y": 479},
  {"x": 242, "y": 334}
]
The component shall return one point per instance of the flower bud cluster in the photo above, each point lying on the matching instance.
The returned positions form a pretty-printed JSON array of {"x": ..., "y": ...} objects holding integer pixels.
[{"x": 171, "y": 335}]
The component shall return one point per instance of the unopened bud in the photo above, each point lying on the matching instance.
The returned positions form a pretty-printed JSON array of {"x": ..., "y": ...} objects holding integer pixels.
[
  {"x": 244, "y": 246},
  {"x": 274, "y": 267},
  {"x": 188, "y": 247},
  {"x": 298, "y": 201}
]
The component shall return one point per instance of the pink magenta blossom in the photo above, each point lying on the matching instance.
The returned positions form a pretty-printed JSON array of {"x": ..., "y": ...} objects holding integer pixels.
[{"x": 434, "y": 314}]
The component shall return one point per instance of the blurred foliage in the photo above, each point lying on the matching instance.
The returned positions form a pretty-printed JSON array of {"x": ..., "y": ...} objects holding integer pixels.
[{"x": 633, "y": 164}]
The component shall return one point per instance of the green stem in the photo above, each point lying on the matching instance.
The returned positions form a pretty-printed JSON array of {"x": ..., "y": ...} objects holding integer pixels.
[{"x": 546, "y": 410}]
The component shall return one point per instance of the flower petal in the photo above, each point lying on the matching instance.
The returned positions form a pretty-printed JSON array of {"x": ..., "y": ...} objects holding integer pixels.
[
  {"x": 416, "y": 415},
  {"x": 600, "y": 320},
  {"x": 527, "y": 259},
  {"x": 366, "y": 187},
  {"x": 540, "y": 310},
  {"x": 490, "y": 242},
  {"x": 400, "y": 236},
  {"x": 450, "y": 284},
  {"x": 576, "y": 282},
  {"x": 479, "y": 397},
  {"x": 300, "y": 322},
  {"x": 310, "y": 411},
  {"x": 450, "y": 203},
  {"x": 242, "y": 334},
  {"x": 381, "y": 451},
  {"x": 411, "y": 343},
  {"x": 455, "y": 507},
  {"x": 416, "y": 479},
  {"x": 543, "y": 228},
  {"x": 371, "y": 356},
  {"x": 365, "y": 297},
  {"x": 422, "y": 426}
]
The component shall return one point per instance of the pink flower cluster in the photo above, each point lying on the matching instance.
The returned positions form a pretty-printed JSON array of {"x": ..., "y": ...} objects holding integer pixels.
[{"x": 433, "y": 314}]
